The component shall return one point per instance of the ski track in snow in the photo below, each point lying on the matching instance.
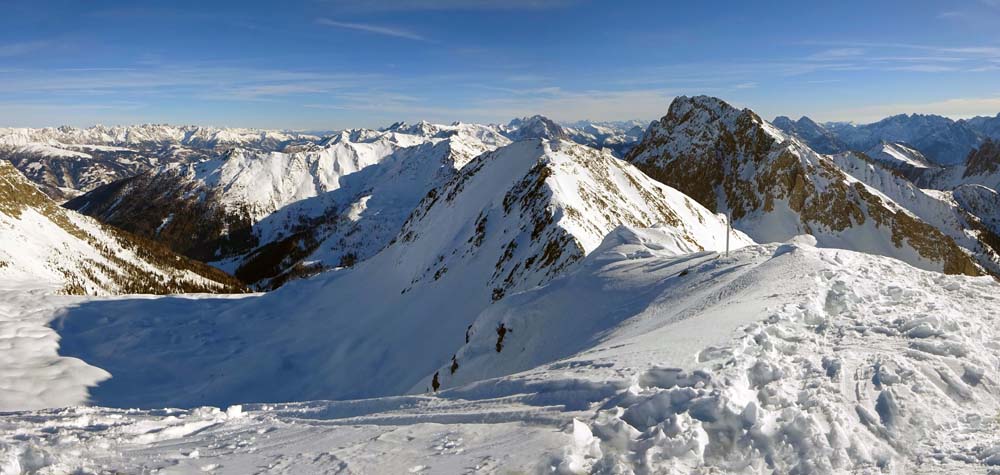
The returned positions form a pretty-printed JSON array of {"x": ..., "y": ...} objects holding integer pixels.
[{"x": 829, "y": 361}]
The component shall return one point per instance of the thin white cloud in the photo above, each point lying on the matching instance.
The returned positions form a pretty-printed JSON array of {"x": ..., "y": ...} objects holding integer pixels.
[
  {"x": 837, "y": 54},
  {"x": 376, "y": 29},
  {"x": 405, "y": 5},
  {"x": 205, "y": 80},
  {"x": 925, "y": 68}
]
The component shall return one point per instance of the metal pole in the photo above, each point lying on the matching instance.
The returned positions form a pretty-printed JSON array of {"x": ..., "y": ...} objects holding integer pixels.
[{"x": 729, "y": 227}]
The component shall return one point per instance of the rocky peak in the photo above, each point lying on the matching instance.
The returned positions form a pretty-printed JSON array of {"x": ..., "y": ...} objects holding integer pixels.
[{"x": 534, "y": 127}]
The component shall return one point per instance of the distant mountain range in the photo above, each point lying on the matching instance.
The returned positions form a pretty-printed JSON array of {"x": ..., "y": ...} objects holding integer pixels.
[{"x": 942, "y": 140}]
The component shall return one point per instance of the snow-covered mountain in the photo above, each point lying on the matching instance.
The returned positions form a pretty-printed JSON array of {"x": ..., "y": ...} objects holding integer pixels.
[
  {"x": 942, "y": 140},
  {"x": 901, "y": 157},
  {"x": 43, "y": 244},
  {"x": 988, "y": 127},
  {"x": 510, "y": 220},
  {"x": 776, "y": 187},
  {"x": 151, "y": 134},
  {"x": 817, "y": 136},
  {"x": 534, "y": 127},
  {"x": 267, "y": 215},
  {"x": 67, "y": 161}
]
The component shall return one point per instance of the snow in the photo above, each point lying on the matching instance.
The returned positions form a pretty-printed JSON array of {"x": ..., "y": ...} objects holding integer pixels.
[
  {"x": 44, "y": 150},
  {"x": 120, "y": 138},
  {"x": 35, "y": 249},
  {"x": 779, "y": 358},
  {"x": 896, "y": 153},
  {"x": 32, "y": 374}
]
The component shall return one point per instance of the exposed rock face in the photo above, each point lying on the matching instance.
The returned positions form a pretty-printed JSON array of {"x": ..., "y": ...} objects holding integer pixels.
[
  {"x": 43, "y": 242},
  {"x": 776, "y": 187},
  {"x": 983, "y": 161}
]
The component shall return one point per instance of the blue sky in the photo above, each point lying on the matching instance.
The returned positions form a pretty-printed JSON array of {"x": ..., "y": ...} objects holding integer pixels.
[{"x": 327, "y": 64}]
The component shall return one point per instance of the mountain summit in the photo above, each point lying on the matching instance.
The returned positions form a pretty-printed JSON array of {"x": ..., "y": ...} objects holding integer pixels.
[{"x": 776, "y": 187}]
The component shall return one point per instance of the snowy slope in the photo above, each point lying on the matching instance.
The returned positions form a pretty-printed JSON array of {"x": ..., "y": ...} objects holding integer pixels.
[
  {"x": 511, "y": 220},
  {"x": 901, "y": 157},
  {"x": 776, "y": 187},
  {"x": 961, "y": 214},
  {"x": 788, "y": 358},
  {"x": 981, "y": 202},
  {"x": 778, "y": 359},
  {"x": 43, "y": 244}
]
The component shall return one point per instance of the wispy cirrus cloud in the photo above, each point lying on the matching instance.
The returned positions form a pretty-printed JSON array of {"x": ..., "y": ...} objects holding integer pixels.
[
  {"x": 903, "y": 56},
  {"x": 410, "y": 5},
  {"x": 837, "y": 54},
  {"x": 370, "y": 28},
  {"x": 156, "y": 80}
]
